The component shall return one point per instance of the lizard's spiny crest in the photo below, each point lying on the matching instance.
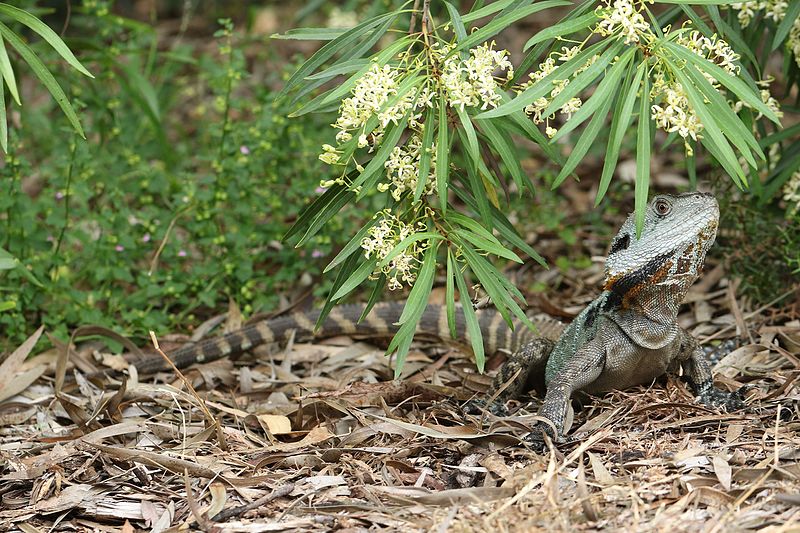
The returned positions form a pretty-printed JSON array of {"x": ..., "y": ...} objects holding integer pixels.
[{"x": 678, "y": 229}]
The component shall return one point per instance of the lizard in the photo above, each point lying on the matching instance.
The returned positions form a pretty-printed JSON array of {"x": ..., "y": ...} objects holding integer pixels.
[{"x": 627, "y": 336}]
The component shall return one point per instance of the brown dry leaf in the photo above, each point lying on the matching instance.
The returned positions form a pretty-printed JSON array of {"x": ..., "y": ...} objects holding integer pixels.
[
  {"x": 218, "y": 498},
  {"x": 11, "y": 366},
  {"x": 723, "y": 471},
  {"x": 601, "y": 473}
]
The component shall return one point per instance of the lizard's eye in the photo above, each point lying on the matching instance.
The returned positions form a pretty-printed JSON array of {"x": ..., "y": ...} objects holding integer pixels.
[{"x": 662, "y": 207}]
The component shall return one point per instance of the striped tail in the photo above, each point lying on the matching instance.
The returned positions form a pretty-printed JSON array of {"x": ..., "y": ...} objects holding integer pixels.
[{"x": 343, "y": 320}]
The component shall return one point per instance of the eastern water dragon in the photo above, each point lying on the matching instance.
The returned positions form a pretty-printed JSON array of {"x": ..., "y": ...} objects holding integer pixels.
[{"x": 627, "y": 336}]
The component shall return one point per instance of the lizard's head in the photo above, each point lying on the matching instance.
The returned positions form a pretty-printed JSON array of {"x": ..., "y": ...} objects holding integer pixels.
[{"x": 678, "y": 231}]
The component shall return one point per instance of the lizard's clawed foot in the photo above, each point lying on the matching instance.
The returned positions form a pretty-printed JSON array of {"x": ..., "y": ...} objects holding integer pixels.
[
  {"x": 536, "y": 438},
  {"x": 728, "y": 401}
]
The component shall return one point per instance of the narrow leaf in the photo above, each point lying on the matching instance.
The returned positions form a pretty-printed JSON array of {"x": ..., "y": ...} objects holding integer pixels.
[
  {"x": 619, "y": 125},
  {"x": 642, "y": 157},
  {"x": 46, "y": 33},
  {"x": 44, "y": 76}
]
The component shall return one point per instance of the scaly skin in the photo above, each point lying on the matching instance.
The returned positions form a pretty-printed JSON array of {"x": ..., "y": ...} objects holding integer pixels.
[{"x": 629, "y": 334}]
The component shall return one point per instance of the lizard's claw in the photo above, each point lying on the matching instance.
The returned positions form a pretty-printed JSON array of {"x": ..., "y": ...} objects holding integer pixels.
[
  {"x": 727, "y": 401},
  {"x": 536, "y": 438}
]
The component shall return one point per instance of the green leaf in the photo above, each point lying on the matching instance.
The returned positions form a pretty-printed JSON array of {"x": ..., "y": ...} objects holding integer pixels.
[
  {"x": 315, "y": 208},
  {"x": 418, "y": 299},
  {"x": 734, "y": 84},
  {"x": 789, "y": 18},
  {"x": 340, "y": 43},
  {"x": 730, "y": 124},
  {"x": 582, "y": 80},
  {"x": 3, "y": 119},
  {"x": 424, "y": 169},
  {"x": 442, "y": 156},
  {"x": 584, "y": 143},
  {"x": 478, "y": 190},
  {"x": 469, "y": 224},
  {"x": 619, "y": 125},
  {"x": 712, "y": 135},
  {"x": 449, "y": 293},
  {"x": 642, "y": 157},
  {"x": 545, "y": 85},
  {"x": 310, "y": 34},
  {"x": 781, "y": 135},
  {"x": 501, "y": 22},
  {"x": 348, "y": 267},
  {"x": 503, "y": 226},
  {"x": 405, "y": 243},
  {"x": 490, "y": 277},
  {"x": 607, "y": 88},
  {"x": 485, "y": 11},
  {"x": 345, "y": 67},
  {"x": 471, "y": 321},
  {"x": 44, "y": 76},
  {"x": 351, "y": 246},
  {"x": 374, "y": 169},
  {"x": 374, "y": 296},
  {"x": 492, "y": 246},
  {"x": 458, "y": 23},
  {"x": 356, "y": 278},
  {"x": 8, "y": 72},
  {"x": 521, "y": 124},
  {"x": 415, "y": 306},
  {"x": 46, "y": 33},
  {"x": 472, "y": 139},
  {"x": 562, "y": 28},
  {"x": 503, "y": 145},
  {"x": 336, "y": 94}
]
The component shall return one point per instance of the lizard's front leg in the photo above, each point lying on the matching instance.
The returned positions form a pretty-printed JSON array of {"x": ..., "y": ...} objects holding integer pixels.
[
  {"x": 579, "y": 371},
  {"x": 697, "y": 371},
  {"x": 514, "y": 377}
]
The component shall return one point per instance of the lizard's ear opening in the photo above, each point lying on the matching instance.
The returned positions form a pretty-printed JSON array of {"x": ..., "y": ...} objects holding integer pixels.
[{"x": 620, "y": 243}]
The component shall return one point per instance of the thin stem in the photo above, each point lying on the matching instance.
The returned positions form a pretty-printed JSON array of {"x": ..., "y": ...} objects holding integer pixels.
[
  {"x": 413, "y": 22},
  {"x": 67, "y": 196}
]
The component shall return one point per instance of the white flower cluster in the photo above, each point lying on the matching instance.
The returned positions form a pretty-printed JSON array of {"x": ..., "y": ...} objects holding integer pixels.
[
  {"x": 464, "y": 82},
  {"x": 382, "y": 238},
  {"x": 550, "y": 65},
  {"x": 402, "y": 169},
  {"x": 623, "y": 16},
  {"x": 774, "y": 10},
  {"x": 715, "y": 50},
  {"x": 766, "y": 97},
  {"x": 471, "y": 82},
  {"x": 674, "y": 113}
]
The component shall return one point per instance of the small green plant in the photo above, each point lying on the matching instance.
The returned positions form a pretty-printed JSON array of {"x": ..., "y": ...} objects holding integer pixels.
[
  {"x": 427, "y": 122},
  {"x": 168, "y": 210}
]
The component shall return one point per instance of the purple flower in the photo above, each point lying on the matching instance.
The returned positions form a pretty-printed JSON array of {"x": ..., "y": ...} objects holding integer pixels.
[
  {"x": 59, "y": 195},
  {"x": 317, "y": 254},
  {"x": 182, "y": 253},
  {"x": 146, "y": 237},
  {"x": 50, "y": 238},
  {"x": 119, "y": 248},
  {"x": 244, "y": 150},
  {"x": 320, "y": 190}
]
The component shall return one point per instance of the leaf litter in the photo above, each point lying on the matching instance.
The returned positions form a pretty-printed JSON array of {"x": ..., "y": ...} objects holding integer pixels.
[{"x": 318, "y": 437}]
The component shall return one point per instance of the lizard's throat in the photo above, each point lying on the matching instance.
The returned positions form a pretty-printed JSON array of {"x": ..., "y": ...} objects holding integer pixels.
[{"x": 657, "y": 288}]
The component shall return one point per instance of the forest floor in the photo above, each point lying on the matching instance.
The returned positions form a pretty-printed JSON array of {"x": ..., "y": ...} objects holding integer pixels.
[{"x": 318, "y": 436}]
